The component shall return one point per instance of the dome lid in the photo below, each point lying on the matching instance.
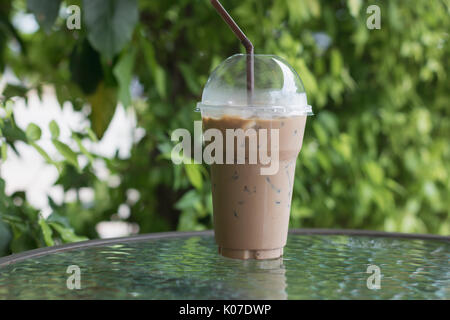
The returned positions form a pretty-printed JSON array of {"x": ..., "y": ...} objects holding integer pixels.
[{"x": 278, "y": 89}]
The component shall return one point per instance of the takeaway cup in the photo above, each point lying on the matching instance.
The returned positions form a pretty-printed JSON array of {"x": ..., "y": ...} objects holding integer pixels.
[{"x": 252, "y": 198}]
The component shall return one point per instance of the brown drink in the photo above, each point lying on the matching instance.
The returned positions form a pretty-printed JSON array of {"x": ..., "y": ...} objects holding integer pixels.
[{"x": 251, "y": 210}]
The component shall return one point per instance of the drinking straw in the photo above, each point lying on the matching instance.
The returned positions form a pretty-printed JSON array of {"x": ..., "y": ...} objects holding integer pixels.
[{"x": 245, "y": 42}]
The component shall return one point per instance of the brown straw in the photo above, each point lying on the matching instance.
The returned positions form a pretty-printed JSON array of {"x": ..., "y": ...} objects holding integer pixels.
[{"x": 245, "y": 42}]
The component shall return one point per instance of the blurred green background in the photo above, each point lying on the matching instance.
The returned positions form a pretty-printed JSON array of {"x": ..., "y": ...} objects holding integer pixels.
[{"x": 376, "y": 155}]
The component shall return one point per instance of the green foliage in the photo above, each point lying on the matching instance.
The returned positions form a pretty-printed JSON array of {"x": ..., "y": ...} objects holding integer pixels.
[
  {"x": 33, "y": 132},
  {"x": 375, "y": 156},
  {"x": 103, "y": 104},
  {"x": 110, "y": 24},
  {"x": 54, "y": 129},
  {"x": 85, "y": 67},
  {"x": 22, "y": 228},
  {"x": 66, "y": 152},
  {"x": 123, "y": 71},
  {"x": 45, "y": 11}
]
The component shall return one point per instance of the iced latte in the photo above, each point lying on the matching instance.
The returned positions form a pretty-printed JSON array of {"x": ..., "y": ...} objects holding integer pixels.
[{"x": 251, "y": 206}]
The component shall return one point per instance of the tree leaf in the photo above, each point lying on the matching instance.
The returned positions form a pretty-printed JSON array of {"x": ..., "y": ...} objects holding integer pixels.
[
  {"x": 189, "y": 200},
  {"x": 190, "y": 77},
  {"x": 336, "y": 62},
  {"x": 4, "y": 151},
  {"x": 354, "y": 6},
  {"x": 3, "y": 35},
  {"x": 110, "y": 24},
  {"x": 22, "y": 242},
  {"x": 103, "y": 105},
  {"x": 13, "y": 90},
  {"x": 83, "y": 149},
  {"x": 160, "y": 81},
  {"x": 43, "y": 153},
  {"x": 54, "y": 129},
  {"x": 194, "y": 175},
  {"x": 66, "y": 234},
  {"x": 45, "y": 11},
  {"x": 85, "y": 67},
  {"x": 5, "y": 238},
  {"x": 57, "y": 218},
  {"x": 374, "y": 172},
  {"x": 12, "y": 133},
  {"x": 159, "y": 76},
  {"x": 46, "y": 232},
  {"x": 92, "y": 135},
  {"x": 66, "y": 152},
  {"x": 308, "y": 78},
  {"x": 123, "y": 71},
  {"x": 33, "y": 132}
]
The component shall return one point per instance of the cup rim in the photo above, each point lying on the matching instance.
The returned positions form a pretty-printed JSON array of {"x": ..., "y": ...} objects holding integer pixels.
[{"x": 287, "y": 110}]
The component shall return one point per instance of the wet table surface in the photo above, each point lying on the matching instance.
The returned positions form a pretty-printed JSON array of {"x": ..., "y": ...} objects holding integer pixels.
[{"x": 317, "y": 264}]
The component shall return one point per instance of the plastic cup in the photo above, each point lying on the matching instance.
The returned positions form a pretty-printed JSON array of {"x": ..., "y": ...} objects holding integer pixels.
[{"x": 251, "y": 207}]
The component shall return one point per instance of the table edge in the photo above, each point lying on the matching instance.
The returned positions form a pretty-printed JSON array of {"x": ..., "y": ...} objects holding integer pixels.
[{"x": 13, "y": 258}]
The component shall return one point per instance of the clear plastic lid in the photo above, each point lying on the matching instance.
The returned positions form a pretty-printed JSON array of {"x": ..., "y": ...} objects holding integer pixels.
[{"x": 278, "y": 89}]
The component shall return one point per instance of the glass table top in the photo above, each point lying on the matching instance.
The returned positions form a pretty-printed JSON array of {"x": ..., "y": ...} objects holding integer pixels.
[{"x": 314, "y": 266}]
